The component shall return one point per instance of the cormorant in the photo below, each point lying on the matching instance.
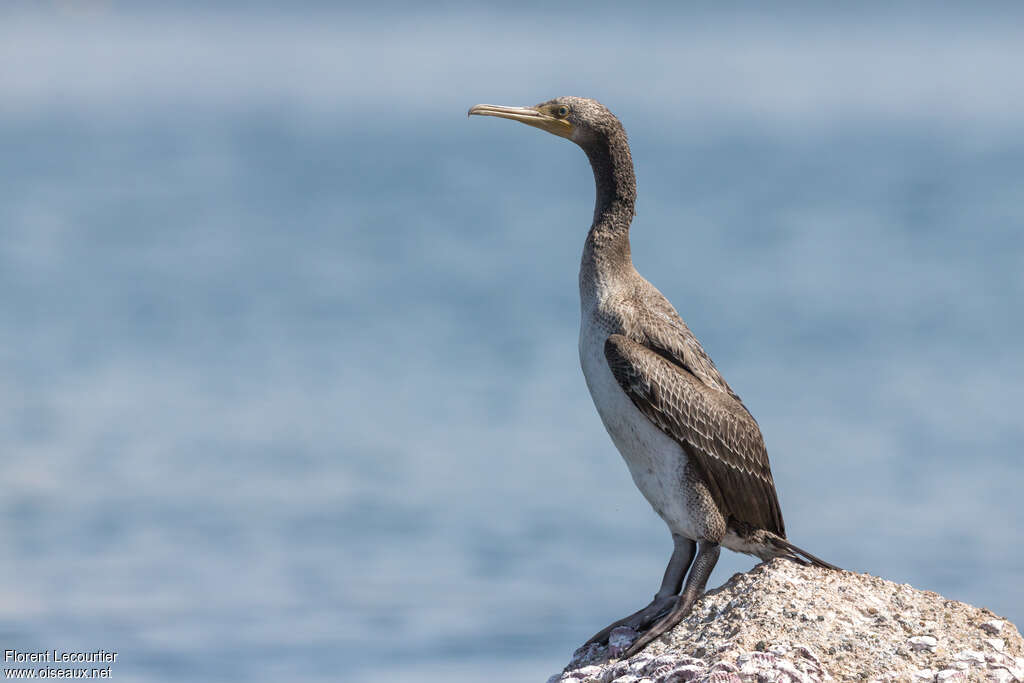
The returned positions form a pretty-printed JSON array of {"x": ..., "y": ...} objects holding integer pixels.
[{"x": 692, "y": 447}]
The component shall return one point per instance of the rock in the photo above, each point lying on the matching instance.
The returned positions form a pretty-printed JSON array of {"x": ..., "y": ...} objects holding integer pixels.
[{"x": 781, "y": 622}]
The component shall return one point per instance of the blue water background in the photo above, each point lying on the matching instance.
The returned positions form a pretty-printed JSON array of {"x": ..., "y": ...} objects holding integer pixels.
[{"x": 288, "y": 375}]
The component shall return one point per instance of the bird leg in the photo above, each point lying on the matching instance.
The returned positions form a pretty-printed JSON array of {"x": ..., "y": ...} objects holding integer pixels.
[
  {"x": 663, "y": 600},
  {"x": 707, "y": 557}
]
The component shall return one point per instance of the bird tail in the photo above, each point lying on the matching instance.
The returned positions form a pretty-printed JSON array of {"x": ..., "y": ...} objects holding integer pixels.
[{"x": 799, "y": 555}]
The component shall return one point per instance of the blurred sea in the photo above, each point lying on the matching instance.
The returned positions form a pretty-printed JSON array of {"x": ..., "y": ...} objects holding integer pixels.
[{"x": 288, "y": 375}]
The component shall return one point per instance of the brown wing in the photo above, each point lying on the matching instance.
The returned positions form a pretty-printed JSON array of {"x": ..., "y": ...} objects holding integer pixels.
[
  {"x": 659, "y": 328},
  {"x": 713, "y": 426}
]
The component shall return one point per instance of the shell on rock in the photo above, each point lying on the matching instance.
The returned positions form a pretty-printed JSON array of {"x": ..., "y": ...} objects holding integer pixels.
[
  {"x": 682, "y": 674},
  {"x": 723, "y": 677},
  {"x": 918, "y": 643}
]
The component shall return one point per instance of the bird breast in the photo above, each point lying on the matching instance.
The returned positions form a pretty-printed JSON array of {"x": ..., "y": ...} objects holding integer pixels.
[{"x": 657, "y": 462}]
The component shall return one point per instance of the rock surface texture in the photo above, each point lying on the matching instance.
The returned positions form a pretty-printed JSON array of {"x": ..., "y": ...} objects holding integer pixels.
[{"x": 783, "y": 622}]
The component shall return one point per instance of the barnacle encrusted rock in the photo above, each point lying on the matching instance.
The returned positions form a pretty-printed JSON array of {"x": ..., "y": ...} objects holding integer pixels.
[{"x": 783, "y": 622}]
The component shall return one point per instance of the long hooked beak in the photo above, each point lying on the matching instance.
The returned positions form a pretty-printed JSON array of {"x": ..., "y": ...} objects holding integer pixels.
[{"x": 528, "y": 115}]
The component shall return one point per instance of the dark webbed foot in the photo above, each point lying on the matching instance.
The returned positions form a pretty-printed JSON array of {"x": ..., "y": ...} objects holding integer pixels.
[
  {"x": 682, "y": 556},
  {"x": 695, "y": 583},
  {"x": 678, "y": 613},
  {"x": 639, "y": 620}
]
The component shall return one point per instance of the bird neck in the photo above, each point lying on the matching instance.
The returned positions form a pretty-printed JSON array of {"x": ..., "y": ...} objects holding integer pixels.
[{"x": 607, "y": 244}]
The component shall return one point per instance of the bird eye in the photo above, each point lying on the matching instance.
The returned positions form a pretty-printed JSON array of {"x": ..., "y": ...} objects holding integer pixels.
[{"x": 563, "y": 111}]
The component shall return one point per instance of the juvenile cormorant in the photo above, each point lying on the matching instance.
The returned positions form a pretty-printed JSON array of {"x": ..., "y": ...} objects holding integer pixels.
[{"x": 694, "y": 450}]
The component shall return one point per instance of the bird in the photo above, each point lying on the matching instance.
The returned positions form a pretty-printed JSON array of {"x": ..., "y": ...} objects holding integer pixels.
[{"x": 692, "y": 447}]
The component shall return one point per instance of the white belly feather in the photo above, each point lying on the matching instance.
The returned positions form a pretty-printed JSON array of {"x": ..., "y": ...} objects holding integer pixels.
[{"x": 656, "y": 461}]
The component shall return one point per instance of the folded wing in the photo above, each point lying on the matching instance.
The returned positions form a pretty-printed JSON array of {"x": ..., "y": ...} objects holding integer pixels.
[{"x": 710, "y": 423}]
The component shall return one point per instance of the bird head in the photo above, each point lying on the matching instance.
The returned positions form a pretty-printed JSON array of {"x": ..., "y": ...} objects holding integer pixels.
[{"x": 582, "y": 120}]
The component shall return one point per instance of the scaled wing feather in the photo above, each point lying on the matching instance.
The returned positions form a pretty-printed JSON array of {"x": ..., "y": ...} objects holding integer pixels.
[{"x": 710, "y": 423}]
